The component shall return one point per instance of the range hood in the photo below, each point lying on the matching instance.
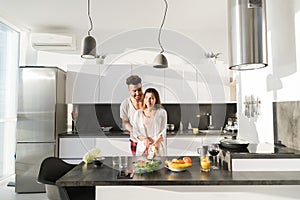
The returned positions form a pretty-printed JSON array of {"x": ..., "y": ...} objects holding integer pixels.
[{"x": 247, "y": 34}]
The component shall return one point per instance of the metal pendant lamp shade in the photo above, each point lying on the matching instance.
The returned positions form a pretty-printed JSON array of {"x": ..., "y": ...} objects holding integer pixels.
[
  {"x": 89, "y": 48},
  {"x": 247, "y": 34},
  {"x": 160, "y": 61},
  {"x": 89, "y": 42}
]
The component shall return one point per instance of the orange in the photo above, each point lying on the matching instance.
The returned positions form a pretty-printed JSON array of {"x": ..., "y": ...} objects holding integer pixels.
[{"x": 187, "y": 160}]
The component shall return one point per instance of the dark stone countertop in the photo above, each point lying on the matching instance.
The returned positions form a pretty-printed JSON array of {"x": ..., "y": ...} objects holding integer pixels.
[
  {"x": 89, "y": 175},
  {"x": 118, "y": 134},
  {"x": 261, "y": 150},
  {"x": 96, "y": 134}
]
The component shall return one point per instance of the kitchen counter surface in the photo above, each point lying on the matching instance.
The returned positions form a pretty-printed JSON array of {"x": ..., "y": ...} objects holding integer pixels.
[
  {"x": 117, "y": 134},
  {"x": 89, "y": 175},
  {"x": 261, "y": 150}
]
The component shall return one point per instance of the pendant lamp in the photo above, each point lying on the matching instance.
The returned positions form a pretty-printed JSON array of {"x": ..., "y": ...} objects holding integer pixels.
[
  {"x": 89, "y": 42},
  {"x": 160, "y": 60},
  {"x": 247, "y": 34}
]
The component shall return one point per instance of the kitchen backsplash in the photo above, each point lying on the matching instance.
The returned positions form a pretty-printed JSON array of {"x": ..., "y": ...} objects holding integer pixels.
[
  {"x": 287, "y": 123},
  {"x": 93, "y": 116}
]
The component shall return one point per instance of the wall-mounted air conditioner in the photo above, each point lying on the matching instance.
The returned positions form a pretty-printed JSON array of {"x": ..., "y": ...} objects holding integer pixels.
[{"x": 53, "y": 41}]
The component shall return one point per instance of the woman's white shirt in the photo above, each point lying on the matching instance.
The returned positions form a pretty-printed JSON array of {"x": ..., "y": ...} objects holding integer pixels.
[{"x": 153, "y": 130}]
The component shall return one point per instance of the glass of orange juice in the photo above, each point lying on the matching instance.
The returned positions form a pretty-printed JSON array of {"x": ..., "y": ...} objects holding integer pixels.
[{"x": 205, "y": 163}]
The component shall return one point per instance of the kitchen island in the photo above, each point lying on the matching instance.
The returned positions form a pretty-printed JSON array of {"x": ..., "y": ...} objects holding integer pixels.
[{"x": 190, "y": 184}]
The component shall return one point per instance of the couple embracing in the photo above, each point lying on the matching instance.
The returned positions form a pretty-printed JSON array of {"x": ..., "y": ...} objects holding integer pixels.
[{"x": 145, "y": 118}]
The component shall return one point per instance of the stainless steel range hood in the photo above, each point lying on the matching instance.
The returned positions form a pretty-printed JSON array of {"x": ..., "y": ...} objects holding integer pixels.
[{"x": 247, "y": 34}]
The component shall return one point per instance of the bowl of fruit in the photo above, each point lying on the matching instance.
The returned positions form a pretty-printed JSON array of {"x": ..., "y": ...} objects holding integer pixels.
[{"x": 178, "y": 165}]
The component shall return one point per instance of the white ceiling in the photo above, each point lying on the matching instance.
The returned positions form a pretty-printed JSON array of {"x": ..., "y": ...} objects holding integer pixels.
[{"x": 189, "y": 17}]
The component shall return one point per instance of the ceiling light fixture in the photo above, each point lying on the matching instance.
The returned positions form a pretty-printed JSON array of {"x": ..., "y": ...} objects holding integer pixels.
[
  {"x": 89, "y": 42},
  {"x": 247, "y": 34},
  {"x": 160, "y": 60}
]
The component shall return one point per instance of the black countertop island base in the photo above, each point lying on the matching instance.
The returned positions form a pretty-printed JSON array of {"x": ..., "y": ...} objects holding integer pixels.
[{"x": 106, "y": 175}]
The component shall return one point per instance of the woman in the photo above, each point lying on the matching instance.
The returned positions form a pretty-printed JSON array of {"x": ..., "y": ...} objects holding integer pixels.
[{"x": 149, "y": 125}]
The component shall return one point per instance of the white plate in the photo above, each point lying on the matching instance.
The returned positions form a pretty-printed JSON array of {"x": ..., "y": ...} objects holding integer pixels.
[{"x": 176, "y": 169}]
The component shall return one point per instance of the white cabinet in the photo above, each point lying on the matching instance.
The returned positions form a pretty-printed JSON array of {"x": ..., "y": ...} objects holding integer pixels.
[
  {"x": 114, "y": 146},
  {"x": 213, "y": 83},
  {"x": 113, "y": 87},
  {"x": 182, "y": 146},
  {"x": 97, "y": 83},
  {"x": 186, "y": 83},
  {"x": 151, "y": 78},
  {"x": 187, "y": 146},
  {"x": 82, "y": 84},
  {"x": 181, "y": 84},
  {"x": 75, "y": 148},
  {"x": 72, "y": 149}
]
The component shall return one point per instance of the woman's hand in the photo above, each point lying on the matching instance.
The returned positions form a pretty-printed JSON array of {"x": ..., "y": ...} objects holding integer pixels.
[
  {"x": 148, "y": 141},
  {"x": 157, "y": 142}
]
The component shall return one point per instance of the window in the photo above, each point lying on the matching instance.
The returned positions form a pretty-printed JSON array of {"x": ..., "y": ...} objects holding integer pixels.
[{"x": 9, "y": 58}]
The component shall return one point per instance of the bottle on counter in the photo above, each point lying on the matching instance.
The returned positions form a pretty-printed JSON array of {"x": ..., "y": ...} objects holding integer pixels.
[
  {"x": 180, "y": 127},
  {"x": 190, "y": 126}
]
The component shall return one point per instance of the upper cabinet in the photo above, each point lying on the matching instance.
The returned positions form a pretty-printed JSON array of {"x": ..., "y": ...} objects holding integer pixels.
[
  {"x": 213, "y": 83},
  {"x": 180, "y": 84},
  {"x": 113, "y": 88},
  {"x": 151, "y": 78},
  {"x": 177, "y": 84},
  {"x": 83, "y": 83}
]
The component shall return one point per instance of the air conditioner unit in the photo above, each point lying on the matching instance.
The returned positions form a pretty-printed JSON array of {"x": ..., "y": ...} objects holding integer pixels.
[{"x": 53, "y": 41}]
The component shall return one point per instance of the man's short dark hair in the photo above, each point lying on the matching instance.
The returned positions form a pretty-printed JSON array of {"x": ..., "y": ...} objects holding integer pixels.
[{"x": 133, "y": 80}]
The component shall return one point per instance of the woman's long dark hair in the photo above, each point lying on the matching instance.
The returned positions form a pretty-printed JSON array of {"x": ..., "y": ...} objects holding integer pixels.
[{"x": 156, "y": 95}]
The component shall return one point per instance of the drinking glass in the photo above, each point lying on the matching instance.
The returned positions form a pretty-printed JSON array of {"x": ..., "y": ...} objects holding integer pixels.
[
  {"x": 205, "y": 163},
  {"x": 204, "y": 160},
  {"x": 115, "y": 160},
  {"x": 214, "y": 150},
  {"x": 202, "y": 151},
  {"x": 123, "y": 162}
]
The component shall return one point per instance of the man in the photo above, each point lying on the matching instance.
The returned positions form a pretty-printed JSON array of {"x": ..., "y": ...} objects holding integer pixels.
[{"x": 130, "y": 105}]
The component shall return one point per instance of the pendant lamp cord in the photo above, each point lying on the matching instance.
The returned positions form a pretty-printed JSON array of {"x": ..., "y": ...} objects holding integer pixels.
[
  {"x": 89, "y": 15},
  {"x": 162, "y": 23}
]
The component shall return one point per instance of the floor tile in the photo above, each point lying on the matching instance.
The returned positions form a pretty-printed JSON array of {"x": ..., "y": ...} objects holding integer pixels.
[{"x": 8, "y": 193}]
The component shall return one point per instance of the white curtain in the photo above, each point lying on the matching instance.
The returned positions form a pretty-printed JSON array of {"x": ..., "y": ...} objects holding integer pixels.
[{"x": 9, "y": 61}]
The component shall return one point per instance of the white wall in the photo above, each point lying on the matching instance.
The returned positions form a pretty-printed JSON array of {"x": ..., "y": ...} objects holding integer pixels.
[
  {"x": 31, "y": 57},
  {"x": 281, "y": 79}
]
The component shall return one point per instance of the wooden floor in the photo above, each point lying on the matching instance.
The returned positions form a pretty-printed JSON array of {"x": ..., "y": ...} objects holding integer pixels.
[{"x": 8, "y": 192}]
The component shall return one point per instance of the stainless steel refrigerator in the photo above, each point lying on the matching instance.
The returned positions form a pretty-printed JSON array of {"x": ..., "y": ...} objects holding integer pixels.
[{"x": 42, "y": 115}]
